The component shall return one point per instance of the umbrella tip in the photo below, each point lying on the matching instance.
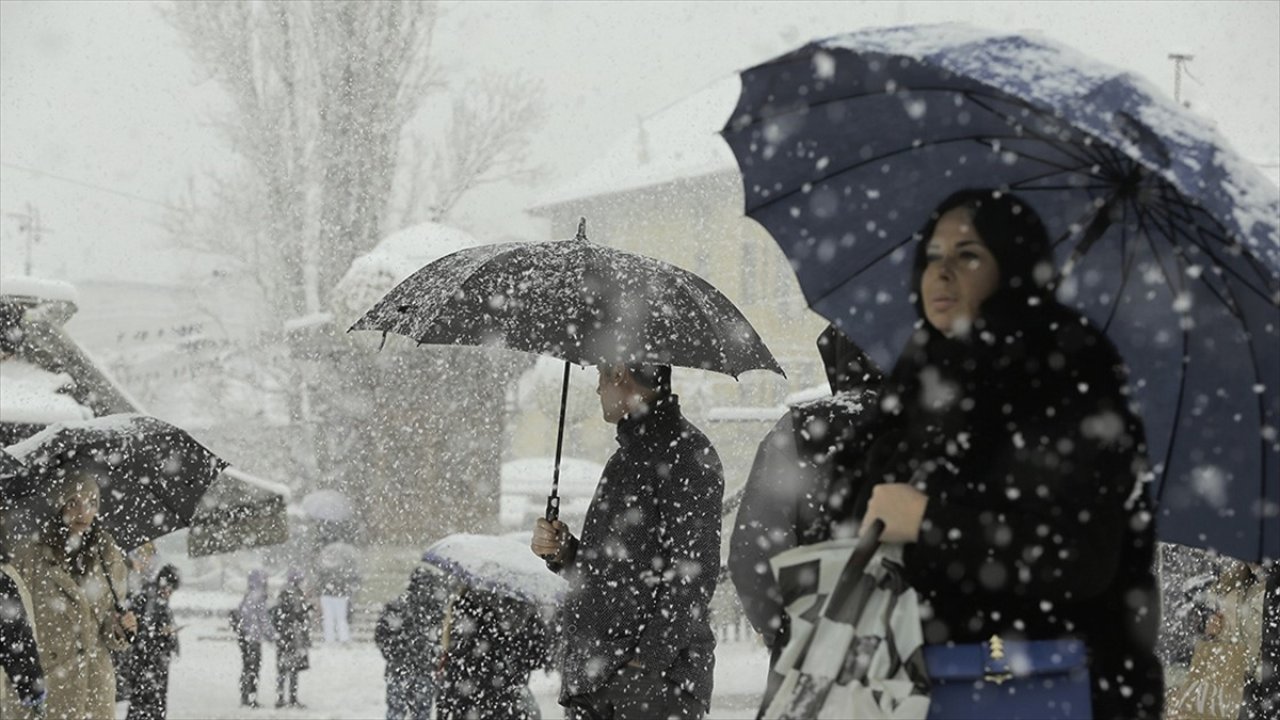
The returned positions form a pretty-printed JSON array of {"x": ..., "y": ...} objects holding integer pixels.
[{"x": 582, "y": 229}]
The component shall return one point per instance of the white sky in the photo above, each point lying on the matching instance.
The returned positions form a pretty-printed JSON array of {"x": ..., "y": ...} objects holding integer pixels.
[{"x": 101, "y": 93}]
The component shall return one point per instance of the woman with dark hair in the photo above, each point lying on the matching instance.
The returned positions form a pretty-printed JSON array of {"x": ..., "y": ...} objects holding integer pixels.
[
  {"x": 1006, "y": 459},
  {"x": 76, "y": 575}
]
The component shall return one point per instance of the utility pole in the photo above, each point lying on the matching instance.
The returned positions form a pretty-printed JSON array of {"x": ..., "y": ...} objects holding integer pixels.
[
  {"x": 29, "y": 225},
  {"x": 1179, "y": 62}
]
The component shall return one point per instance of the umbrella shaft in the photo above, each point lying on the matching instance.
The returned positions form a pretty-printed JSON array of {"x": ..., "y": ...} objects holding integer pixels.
[{"x": 553, "y": 500}]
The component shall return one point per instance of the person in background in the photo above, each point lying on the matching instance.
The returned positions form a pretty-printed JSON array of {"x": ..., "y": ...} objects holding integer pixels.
[
  {"x": 337, "y": 584},
  {"x": 495, "y": 644},
  {"x": 22, "y": 692},
  {"x": 786, "y": 499},
  {"x": 637, "y": 639},
  {"x": 252, "y": 626},
  {"x": 291, "y": 620},
  {"x": 157, "y": 642},
  {"x": 425, "y": 603},
  {"x": 76, "y": 576},
  {"x": 392, "y": 638}
]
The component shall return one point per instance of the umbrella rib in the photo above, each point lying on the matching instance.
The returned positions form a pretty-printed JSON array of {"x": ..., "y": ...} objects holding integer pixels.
[
  {"x": 847, "y": 168},
  {"x": 1209, "y": 250},
  {"x": 830, "y": 291},
  {"x": 1262, "y": 410},
  {"x": 979, "y": 100},
  {"x": 1143, "y": 214},
  {"x": 1170, "y": 227}
]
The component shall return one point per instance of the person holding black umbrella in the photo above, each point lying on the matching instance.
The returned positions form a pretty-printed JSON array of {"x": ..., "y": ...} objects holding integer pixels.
[
  {"x": 75, "y": 573},
  {"x": 636, "y": 632},
  {"x": 1008, "y": 463}
]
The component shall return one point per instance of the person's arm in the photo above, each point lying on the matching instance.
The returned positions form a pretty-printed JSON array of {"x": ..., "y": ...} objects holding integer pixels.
[
  {"x": 1060, "y": 537},
  {"x": 690, "y": 524},
  {"x": 765, "y": 526}
]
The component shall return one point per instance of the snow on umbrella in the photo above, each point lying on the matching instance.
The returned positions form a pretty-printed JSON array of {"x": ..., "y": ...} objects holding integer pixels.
[
  {"x": 339, "y": 556},
  {"x": 577, "y": 301},
  {"x": 327, "y": 506},
  {"x": 1166, "y": 239},
  {"x": 152, "y": 474},
  {"x": 496, "y": 564}
]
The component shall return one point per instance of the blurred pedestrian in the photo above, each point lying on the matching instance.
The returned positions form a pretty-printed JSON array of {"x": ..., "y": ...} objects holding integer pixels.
[
  {"x": 637, "y": 639},
  {"x": 391, "y": 635},
  {"x": 252, "y": 627},
  {"x": 291, "y": 620},
  {"x": 76, "y": 576},
  {"x": 22, "y": 692},
  {"x": 156, "y": 644},
  {"x": 495, "y": 643},
  {"x": 787, "y": 496},
  {"x": 337, "y": 584}
]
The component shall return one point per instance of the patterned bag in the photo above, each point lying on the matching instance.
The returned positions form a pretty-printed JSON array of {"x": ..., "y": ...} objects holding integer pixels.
[{"x": 855, "y": 640}]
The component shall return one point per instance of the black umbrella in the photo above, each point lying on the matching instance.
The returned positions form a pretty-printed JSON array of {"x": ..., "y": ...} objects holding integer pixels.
[
  {"x": 1165, "y": 238},
  {"x": 151, "y": 474},
  {"x": 573, "y": 300}
]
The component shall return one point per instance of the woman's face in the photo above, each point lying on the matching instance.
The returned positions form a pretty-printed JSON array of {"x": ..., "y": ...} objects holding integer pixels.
[
  {"x": 959, "y": 274},
  {"x": 81, "y": 507}
]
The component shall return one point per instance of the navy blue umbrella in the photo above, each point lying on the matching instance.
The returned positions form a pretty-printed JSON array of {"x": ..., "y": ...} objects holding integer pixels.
[{"x": 1165, "y": 237}]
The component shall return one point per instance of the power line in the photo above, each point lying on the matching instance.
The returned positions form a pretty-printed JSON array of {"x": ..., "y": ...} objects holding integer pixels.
[{"x": 91, "y": 186}]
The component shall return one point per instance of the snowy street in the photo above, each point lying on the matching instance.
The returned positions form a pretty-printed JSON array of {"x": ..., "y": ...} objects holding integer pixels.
[{"x": 345, "y": 682}]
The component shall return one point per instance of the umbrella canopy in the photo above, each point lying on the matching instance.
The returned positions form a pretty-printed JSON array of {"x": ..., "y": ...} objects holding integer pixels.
[
  {"x": 497, "y": 564},
  {"x": 1165, "y": 238},
  {"x": 574, "y": 300},
  {"x": 239, "y": 511},
  {"x": 577, "y": 301},
  {"x": 327, "y": 505},
  {"x": 151, "y": 474}
]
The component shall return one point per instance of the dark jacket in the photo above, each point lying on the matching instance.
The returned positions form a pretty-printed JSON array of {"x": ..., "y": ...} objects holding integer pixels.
[
  {"x": 1038, "y": 523},
  {"x": 291, "y": 620},
  {"x": 391, "y": 635},
  {"x": 18, "y": 656},
  {"x": 645, "y": 567},
  {"x": 787, "y": 494},
  {"x": 495, "y": 644},
  {"x": 148, "y": 659}
]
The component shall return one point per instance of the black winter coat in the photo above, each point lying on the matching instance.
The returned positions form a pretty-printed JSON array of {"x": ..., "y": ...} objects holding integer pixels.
[
  {"x": 291, "y": 620},
  {"x": 646, "y": 565},
  {"x": 18, "y": 657},
  {"x": 155, "y": 643},
  {"x": 495, "y": 644},
  {"x": 1038, "y": 523}
]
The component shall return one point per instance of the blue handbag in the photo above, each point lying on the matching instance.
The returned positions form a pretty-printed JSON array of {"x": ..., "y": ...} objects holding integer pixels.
[{"x": 999, "y": 680}]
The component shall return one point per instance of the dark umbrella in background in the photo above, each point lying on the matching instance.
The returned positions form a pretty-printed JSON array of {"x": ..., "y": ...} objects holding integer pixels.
[
  {"x": 151, "y": 474},
  {"x": 577, "y": 301},
  {"x": 1166, "y": 238}
]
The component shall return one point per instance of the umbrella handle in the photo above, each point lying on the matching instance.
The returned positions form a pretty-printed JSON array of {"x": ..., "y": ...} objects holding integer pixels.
[
  {"x": 129, "y": 635},
  {"x": 553, "y": 508}
]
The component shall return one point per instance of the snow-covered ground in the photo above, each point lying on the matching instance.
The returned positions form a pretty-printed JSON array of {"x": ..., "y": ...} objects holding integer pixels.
[{"x": 346, "y": 681}]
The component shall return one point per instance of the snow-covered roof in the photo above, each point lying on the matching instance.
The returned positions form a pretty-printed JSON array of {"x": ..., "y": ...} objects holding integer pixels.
[
  {"x": 679, "y": 142},
  {"x": 395, "y": 258},
  {"x": 30, "y": 395},
  {"x": 532, "y": 476},
  {"x": 38, "y": 288}
]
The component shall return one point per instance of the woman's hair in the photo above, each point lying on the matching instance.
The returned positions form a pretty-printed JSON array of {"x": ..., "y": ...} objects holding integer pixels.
[{"x": 1014, "y": 234}]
